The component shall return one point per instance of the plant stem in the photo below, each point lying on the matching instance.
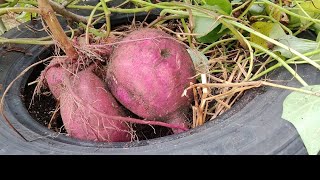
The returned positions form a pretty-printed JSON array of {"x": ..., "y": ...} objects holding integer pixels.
[
  {"x": 18, "y": 9},
  {"x": 56, "y": 7},
  {"x": 290, "y": 13},
  {"x": 291, "y": 88},
  {"x": 250, "y": 85},
  {"x": 61, "y": 10},
  {"x": 303, "y": 28},
  {"x": 114, "y": 10},
  {"x": 236, "y": 33},
  {"x": 240, "y": 7},
  {"x": 13, "y": 3},
  {"x": 274, "y": 42},
  {"x": 302, "y": 62},
  {"x": 58, "y": 34},
  {"x": 90, "y": 21},
  {"x": 67, "y": 2},
  {"x": 87, "y": 7},
  {"x": 248, "y": 8},
  {"x": 216, "y": 43},
  {"x": 281, "y": 61},
  {"x": 251, "y": 58},
  {"x": 92, "y": 30},
  {"x": 266, "y": 71},
  {"x": 186, "y": 30},
  {"x": 162, "y": 5},
  {"x": 206, "y": 13},
  {"x": 4, "y": 5},
  {"x": 298, "y": 4},
  {"x": 25, "y": 41},
  {"x": 124, "y": 2},
  {"x": 182, "y": 13},
  {"x": 289, "y": 61},
  {"x": 219, "y": 18},
  {"x": 162, "y": 19},
  {"x": 107, "y": 14},
  {"x": 317, "y": 51},
  {"x": 34, "y": 3},
  {"x": 3, "y": 28},
  {"x": 275, "y": 21}
]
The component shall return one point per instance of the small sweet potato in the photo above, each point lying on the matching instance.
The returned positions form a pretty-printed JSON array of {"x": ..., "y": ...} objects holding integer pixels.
[
  {"x": 54, "y": 75},
  {"x": 81, "y": 96}
]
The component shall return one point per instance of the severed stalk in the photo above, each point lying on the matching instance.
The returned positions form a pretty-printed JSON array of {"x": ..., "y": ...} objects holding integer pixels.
[{"x": 58, "y": 34}]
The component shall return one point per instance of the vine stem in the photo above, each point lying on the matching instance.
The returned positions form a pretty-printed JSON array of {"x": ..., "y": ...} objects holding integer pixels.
[
  {"x": 25, "y": 41},
  {"x": 18, "y": 9},
  {"x": 289, "y": 61},
  {"x": 289, "y": 12},
  {"x": 274, "y": 42},
  {"x": 58, "y": 34},
  {"x": 62, "y": 10},
  {"x": 249, "y": 85},
  {"x": 107, "y": 14},
  {"x": 282, "y": 62},
  {"x": 88, "y": 7}
]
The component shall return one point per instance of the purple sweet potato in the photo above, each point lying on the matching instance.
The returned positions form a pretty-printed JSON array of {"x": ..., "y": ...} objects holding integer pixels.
[
  {"x": 148, "y": 73},
  {"x": 82, "y": 96},
  {"x": 54, "y": 75}
]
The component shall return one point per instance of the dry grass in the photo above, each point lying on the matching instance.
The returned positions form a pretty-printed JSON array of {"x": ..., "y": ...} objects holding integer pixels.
[{"x": 227, "y": 65}]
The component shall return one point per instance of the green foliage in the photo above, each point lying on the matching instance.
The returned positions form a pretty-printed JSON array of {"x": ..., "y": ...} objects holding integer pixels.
[
  {"x": 303, "y": 111},
  {"x": 209, "y": 29}
]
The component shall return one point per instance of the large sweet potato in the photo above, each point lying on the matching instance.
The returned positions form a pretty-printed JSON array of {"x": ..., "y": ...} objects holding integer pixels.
[
  {"x": 81, "y": 96},
  {"x": 148, "y": 73}
]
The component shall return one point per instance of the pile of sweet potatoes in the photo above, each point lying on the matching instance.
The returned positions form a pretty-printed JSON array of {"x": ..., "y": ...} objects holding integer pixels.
[{"x": 145, "y": 73}]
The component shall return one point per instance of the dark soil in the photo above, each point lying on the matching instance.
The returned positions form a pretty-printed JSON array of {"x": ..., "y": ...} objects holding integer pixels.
[{"x": 43, "y": 107}]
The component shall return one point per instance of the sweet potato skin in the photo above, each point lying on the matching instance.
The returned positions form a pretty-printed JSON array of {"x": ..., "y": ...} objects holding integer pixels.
[
  {"x": 148, "y": 73},
  {"x": 78, "y": 120},
  {"x": 54, "y": 75}
]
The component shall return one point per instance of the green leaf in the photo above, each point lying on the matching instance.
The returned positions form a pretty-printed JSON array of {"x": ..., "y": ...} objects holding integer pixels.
[
  {"x": 26, "y": 16},
  {"x": 316, "y": 28},
  {"x": 257, "y": 9},
  {"x": 272, "y": 30},
  {"x": 200, "y": 61},
  {"x": 311, "y": 6},
  {"x": 3, "y": 28},
  {"x": 213, "y": 35},
  {"x": 298, "y": 44},
  {"x": 303, "y": 111},
  {"x": 294, "y": 22},
  {"x": 273, "y": 12},
  {"x": 224, "y": 5},
  {"x": 209, "y": 29},
  {"x": 316, "y": 4},
  {"x": 204, "y": 25}
]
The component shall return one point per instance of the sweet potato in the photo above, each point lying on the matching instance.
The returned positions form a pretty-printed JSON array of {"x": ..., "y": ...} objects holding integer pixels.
[
  {"x": 53, "y": 75},
  {"x": 80, "y": 96},
  {"x": 148, "y": 72}
]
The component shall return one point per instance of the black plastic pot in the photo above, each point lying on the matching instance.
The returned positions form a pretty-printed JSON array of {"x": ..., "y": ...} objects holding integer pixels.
[{"x": 252, "y": 126}]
